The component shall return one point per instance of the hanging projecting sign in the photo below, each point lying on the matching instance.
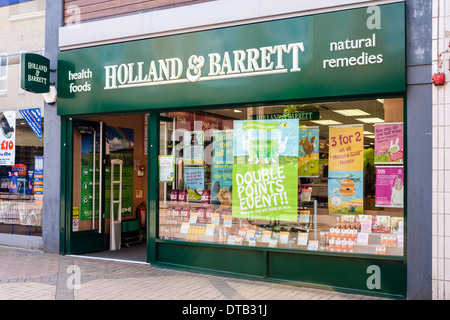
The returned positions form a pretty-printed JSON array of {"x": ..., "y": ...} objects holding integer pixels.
[
  {"x": 35, "y": 73},
  {"x": 7, "y": 138},
  {"x": 324, "y": 55}
]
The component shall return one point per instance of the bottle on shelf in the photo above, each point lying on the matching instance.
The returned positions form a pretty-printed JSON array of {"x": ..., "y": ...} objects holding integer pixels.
[
  {"x": 185, "y": 213},
  {"x": 182, "y": 196},
  {"x": 174, "y": 195}
]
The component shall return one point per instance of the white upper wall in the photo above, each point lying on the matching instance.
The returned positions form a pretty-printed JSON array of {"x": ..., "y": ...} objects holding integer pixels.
[{"x": 194, "y": 17}]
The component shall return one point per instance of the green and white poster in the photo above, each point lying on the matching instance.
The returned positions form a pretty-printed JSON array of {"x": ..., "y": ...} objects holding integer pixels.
[
  {"x": 265, "y": 169},
  {"x": 86, "y": 192}
]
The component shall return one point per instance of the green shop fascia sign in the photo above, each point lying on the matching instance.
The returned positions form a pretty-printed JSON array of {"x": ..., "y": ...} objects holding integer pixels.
[
  {"x": 351, "y": 52},
  {"x": 35, "y": 73}
]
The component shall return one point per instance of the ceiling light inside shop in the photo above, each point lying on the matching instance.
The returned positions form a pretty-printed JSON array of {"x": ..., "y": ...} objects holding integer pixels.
[
  {"x": 236, "y": 110},
  {"x": 327, "y": 122},
  {"x": 370, "y": 120},
  {"x": 367, "y": 132},
  {"x": 370, "y": 137},
  {"x": 352, "y": 112}
]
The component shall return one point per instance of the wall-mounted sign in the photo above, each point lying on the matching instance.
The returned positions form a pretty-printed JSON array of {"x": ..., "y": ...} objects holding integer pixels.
[
  {"x": 35, "y": 73},
  {"x": 314, "y": 56}
]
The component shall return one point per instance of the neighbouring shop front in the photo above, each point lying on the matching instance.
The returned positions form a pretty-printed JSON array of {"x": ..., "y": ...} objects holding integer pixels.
[
  {"x": 21, "y": 124},
  {"x": 273, "y": 150}
]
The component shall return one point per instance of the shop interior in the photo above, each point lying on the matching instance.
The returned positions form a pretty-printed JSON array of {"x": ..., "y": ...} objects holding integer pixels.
[
  {"x": 194, "y": 213},
  {"x": 20, "y": 205}
]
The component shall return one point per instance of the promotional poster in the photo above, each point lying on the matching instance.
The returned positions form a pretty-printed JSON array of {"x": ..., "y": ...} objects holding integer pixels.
[
  {"x": 389, "y": 187},
  {"x": 193, "y": 147},
  {"x": 265, "y": 169},
  {"x": 345, "y": 177},
  {"x": 8, "y": 138},
  {"x": 308, "y": 153},
  {"x": 222, "y": 167},
  {"x": 388, "y": 143}
]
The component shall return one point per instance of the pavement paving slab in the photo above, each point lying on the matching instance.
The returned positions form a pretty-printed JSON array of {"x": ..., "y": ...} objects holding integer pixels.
[{"x": 34, "y": 275}]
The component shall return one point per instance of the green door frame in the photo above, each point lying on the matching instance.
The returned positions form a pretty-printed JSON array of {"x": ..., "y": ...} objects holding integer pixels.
[
  {"x": 66, "y": 234},
  {"x": 66, "y": 186},
  {"x": 152, "y": 185}
]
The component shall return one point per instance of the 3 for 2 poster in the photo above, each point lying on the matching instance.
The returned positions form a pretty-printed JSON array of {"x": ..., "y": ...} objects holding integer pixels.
[{"x": 345, "y": 177}]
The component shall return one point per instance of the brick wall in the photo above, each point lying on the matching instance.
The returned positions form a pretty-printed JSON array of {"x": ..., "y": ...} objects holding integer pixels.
[{"x": 88, "y": 10}]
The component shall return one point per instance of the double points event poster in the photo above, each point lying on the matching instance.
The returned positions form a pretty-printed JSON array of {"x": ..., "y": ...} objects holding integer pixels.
[
  {"x": 345, "y": 176},
  {"x": 265, "y": 169}
]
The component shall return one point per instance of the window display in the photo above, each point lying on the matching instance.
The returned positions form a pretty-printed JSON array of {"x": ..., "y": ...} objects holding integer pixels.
[
  {"x": 323, "y": 176},
  {"x": 21, "y": 172}
]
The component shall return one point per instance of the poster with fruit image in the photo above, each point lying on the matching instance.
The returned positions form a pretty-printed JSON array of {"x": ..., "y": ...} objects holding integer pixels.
[
  {"x": 389, "y": 143},
  {"x": 308, "y": 152},
  {"x": 345, "y": 176}
]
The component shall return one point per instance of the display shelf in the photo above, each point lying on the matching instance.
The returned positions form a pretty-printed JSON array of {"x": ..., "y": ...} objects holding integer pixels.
[
  {"x": 21, "y": 212},
  {"x": 15, "y": 196},
  {"x": 276, "y": 235}
]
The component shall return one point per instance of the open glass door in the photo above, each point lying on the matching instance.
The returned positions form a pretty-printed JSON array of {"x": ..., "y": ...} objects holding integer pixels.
[{"x": 88, "y": 228}]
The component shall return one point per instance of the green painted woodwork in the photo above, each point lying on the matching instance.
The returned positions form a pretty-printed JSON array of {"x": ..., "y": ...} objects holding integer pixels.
[
  {"x": 346, "y": 273},
  {"x": 338, "y": 271},
  {"x": 219, "y": 258},
  {"x": 84, "y": 74},
  {"x": 152, "y": 185},
  {"x": 66, "y": 191}
]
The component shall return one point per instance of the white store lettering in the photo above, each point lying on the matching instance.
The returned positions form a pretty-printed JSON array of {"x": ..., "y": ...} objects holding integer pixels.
[{"x": 238, "y": 63}]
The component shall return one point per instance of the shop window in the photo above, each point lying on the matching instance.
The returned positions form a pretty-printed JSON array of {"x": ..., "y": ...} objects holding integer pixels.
[
  {"x": 21, "y": 172},
  {"x": 320, "y": 177},
  {"x": 26, "y": 8},
  {"x": 3, "y": 72}
]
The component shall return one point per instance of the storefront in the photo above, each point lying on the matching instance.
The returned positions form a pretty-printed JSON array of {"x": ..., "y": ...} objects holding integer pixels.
[
  {"x": 273, "y": 150},
  {"x": 21, "y": 126}
]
